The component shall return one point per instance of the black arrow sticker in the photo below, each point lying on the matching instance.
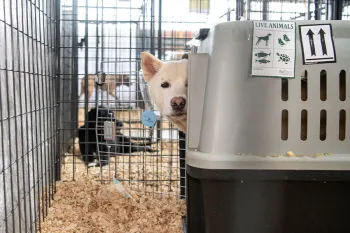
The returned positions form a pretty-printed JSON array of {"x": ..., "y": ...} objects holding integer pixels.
[
  {"x": 321, "y": 48},
  {"x": 323, "y": 41},
  {"x": 311, "y": 34}
]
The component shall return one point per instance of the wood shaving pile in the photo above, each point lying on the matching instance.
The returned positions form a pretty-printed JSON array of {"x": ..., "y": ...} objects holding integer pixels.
[
  {"x": 88, "y": 206},
  {"x": 154, "y": 173},
  {"x": 85, "y": 205}
]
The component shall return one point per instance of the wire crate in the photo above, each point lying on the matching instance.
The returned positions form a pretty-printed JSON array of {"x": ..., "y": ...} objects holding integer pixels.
[{"x": 145, "y": 158}]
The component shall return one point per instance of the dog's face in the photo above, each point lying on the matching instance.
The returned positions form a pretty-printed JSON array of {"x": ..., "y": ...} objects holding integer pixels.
[{"x": 167, "y": 83}]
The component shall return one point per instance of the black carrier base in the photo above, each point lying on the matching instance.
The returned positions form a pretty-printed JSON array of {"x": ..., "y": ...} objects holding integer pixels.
[{"x": 267, "y": 201}]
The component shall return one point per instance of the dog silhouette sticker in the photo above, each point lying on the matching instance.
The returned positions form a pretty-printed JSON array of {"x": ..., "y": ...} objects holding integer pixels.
[{"x": 264, "y": 38}]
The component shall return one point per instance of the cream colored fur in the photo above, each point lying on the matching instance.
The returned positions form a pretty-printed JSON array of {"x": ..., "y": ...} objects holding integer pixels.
[{"x": 156, "y": 73}]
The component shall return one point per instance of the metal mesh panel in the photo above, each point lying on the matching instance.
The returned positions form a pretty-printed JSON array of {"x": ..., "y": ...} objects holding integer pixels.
[
  {"x": 346, "y": 10},
  {"x": 147, "y": 159},
  {"x": 28, "y": 107},
  {"x": 293, "y": 9},
  {"x": 108, "y": 37}
]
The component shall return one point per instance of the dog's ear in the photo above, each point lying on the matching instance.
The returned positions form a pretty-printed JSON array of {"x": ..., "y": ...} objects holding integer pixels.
[
  {"x": 150, "y": 65},
  {"x": 185, "y": 56}
]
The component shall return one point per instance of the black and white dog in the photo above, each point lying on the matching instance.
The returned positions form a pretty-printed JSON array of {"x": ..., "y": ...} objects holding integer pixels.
[{"x": 91, "y": 136}]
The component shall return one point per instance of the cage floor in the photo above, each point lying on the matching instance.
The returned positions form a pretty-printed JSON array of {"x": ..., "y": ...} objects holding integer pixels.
[
  {"x": 88, "y": 201},
  {"x": 154, "y": 173},
  {"x": 85, "y": 205}
]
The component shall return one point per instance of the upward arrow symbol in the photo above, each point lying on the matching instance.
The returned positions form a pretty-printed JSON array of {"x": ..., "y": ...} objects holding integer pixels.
[
  {"x": 323, "y": 41},
  {"x": 311, "y": 34}
]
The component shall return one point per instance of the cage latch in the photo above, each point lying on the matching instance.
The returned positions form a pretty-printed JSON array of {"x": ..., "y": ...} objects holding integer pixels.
[{"x": 109, "y": 130}]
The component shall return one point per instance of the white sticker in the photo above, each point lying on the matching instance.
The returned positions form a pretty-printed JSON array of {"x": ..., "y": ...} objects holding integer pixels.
[
  {"x": 317, "y": 43},
  {"x": 109, "y": 130},
  {"x": 273, "y": 53}
]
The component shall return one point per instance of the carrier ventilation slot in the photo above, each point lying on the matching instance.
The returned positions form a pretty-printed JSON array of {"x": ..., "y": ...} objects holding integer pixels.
[
  {"x": 303, "y": 86},
  {"x": 323, "y": 85},
  {"x": 284, "y": 125},
  {"x": 323, "y": 125},
  {"x": 342, "y": 85},
  {"x": 284, "y": 89},
  {"x": 342, "y": 125},
  {"x": 303, "y": 126},
  {"x": 323, "y": 112}
]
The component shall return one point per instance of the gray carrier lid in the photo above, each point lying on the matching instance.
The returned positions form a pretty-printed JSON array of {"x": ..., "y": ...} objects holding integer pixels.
[{"x": 237, "y": 121}]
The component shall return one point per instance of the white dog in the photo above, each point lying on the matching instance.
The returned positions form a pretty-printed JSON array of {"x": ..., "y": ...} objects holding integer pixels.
[{"x": 167, "y": 83}]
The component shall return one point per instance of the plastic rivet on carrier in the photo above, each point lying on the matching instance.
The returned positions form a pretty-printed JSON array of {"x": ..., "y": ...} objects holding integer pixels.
[{"x": 148, "y": 118}]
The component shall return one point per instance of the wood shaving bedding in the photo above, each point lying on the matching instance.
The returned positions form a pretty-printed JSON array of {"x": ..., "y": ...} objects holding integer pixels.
[{"x": 87, "y": 206}]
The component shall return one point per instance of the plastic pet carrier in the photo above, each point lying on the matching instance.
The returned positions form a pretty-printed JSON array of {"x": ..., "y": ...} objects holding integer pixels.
[{"x": 269, "y": 154}]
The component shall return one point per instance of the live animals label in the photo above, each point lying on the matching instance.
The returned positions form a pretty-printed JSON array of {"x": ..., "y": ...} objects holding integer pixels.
[
  {"x": 273, "y": 53},
  {"x": 317, "y": 44}
]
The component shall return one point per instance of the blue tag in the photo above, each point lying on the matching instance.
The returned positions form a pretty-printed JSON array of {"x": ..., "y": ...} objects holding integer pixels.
[
  {"x": 115, "y": 181},
  {"x": 148, "y": 118}
]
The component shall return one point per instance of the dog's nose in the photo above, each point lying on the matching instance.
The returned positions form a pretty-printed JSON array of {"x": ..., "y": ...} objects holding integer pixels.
[{"x": 178, "y": 103}]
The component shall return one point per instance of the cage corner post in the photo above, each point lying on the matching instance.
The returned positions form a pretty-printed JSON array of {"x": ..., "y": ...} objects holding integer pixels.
[
  {"x": 318, "y": 5},
  {"x": 337, "y": 7},
  {"x": 58, "y": 85},
  {"x": 239, "y": 9}
]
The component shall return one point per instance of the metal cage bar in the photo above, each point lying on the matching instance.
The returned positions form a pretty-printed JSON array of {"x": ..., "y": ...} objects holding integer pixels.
[
  {"x": 295, "y": 9},
  {"x": 28, "y": 112}
]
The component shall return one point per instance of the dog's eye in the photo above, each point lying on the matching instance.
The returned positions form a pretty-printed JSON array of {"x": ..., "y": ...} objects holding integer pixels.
[{"x": 165, "y": 85}]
